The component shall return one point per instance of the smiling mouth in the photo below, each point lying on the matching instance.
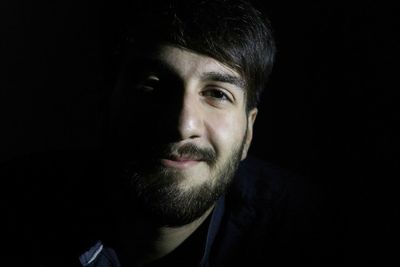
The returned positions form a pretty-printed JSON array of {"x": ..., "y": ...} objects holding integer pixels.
[{"x": 181, "y": 162}]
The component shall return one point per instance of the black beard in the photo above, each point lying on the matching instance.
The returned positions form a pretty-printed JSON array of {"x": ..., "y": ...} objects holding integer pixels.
[{"x": 157, "y": 192}]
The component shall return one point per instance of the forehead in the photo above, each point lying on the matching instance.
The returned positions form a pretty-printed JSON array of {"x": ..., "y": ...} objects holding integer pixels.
[
  {"x": 183, "y": 60},
  {"x": 188, "y": 64}
]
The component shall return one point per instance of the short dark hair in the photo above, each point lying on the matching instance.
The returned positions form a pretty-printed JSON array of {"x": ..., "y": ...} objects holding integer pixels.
[{"x": 230, "y": 31}]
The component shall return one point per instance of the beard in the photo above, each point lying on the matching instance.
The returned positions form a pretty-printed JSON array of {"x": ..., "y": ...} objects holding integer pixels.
[{"x": 156, "y": 190}]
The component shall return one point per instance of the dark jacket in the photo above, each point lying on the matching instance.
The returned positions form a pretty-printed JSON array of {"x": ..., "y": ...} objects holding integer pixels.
[{"x": 56, "y": 212}]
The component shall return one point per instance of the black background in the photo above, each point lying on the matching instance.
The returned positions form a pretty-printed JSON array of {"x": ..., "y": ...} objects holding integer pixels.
[{"x": 328, "y": 112}]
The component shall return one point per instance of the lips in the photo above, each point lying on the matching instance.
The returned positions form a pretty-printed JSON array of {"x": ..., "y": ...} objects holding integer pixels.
[
  {"x": 180, "y": 162},
  {"x": 182, "y": 158},
  {"x": 184, "y": 155}
]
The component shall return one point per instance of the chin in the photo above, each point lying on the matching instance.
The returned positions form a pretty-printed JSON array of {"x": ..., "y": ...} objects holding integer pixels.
[{"x": 190, "y": 181}]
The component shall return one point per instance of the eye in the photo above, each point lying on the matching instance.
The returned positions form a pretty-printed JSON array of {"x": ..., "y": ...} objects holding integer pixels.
[
  {"x": 216, "y": 94},
  {"x": 149, "y": 84}
]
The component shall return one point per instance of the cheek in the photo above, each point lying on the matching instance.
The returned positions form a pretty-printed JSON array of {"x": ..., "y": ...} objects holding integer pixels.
[{"x": 226, "y": 131}]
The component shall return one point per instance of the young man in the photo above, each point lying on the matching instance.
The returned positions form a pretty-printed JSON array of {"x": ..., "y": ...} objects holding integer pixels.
[
  {"x": 177, "y": 189},
  {"x": 183, "y": 116}
]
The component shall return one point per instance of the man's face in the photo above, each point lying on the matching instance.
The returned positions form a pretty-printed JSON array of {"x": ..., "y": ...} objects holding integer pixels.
[{"x": 191, "y": 130}]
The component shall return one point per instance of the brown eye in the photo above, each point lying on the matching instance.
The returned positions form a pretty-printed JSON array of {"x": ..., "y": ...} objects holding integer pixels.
[{"x": 216, "y": 94}]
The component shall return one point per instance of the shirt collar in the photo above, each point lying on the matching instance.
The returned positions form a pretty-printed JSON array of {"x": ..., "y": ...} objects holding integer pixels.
[
  {"x": 93, "y": 253},
  {"x": 213, "y": 228}
]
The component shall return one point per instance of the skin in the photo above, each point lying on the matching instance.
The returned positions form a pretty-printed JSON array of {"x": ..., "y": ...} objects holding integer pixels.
[
  {"x": 212, "y": 115},
  {"x": 213, "y": 112}
]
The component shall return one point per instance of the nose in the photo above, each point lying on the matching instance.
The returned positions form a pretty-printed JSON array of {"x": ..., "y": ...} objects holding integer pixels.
[{"x": 190, "y": 121}]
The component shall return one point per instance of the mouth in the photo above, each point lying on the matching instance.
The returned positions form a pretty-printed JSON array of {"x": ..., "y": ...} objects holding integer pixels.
[{"x": 180, "y": 162}]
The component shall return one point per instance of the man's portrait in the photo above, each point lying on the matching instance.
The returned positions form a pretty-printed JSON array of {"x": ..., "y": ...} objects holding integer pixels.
[{"x": 188, "y": 133}]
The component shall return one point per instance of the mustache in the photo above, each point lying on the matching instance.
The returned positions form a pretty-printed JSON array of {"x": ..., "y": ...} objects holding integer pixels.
[{"x": 189, "y": 150}]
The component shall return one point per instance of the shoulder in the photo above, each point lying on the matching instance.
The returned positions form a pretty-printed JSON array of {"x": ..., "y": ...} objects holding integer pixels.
[
  {"x": 275, "y": 211},
  {"x": 265, "y": 187},
  {"x": 49, "y": 204}
]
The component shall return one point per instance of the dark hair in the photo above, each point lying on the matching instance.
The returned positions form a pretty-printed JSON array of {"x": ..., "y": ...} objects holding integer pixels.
[{"x": 230, "y": 31}]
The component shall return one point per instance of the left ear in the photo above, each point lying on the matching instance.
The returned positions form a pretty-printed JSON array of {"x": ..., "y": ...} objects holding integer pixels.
[{"x": 251, "y": 117}]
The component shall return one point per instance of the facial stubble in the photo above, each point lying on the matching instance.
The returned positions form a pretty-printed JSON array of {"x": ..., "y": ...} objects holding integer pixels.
[{"x": 160, "y": 197}]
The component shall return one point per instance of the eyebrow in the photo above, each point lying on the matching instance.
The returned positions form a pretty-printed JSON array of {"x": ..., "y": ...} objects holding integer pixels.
[
  {"x": 224, "y": 78},
  {"x": 207, "y": 76}
]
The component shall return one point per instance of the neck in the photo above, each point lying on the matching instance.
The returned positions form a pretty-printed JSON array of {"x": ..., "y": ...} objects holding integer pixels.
[
  {"x": 169, "y": 238},
  {"x": 143, "y": 244}
]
